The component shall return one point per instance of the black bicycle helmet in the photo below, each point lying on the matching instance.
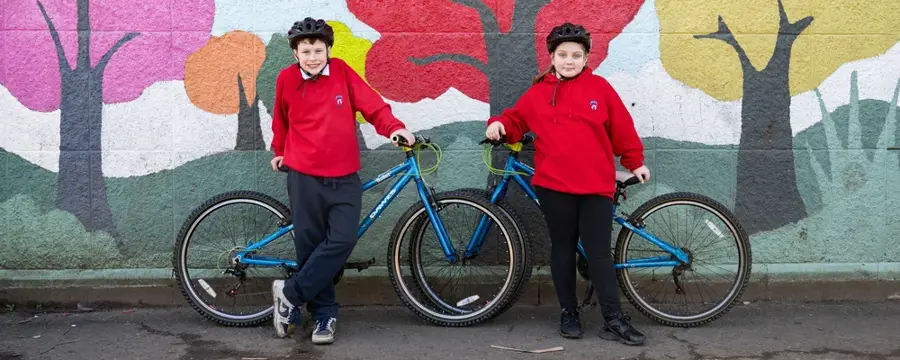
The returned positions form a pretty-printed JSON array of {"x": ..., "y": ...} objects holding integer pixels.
[
  {"x": 311, "y": 28},
  {"x": 568, "y": 32}
]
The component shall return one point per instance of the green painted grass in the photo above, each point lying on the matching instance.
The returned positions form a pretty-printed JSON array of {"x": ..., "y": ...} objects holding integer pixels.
[{"x": 150, "y": 209}]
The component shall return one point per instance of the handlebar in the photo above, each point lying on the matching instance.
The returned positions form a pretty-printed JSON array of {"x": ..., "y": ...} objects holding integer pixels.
[
  {"x": 526, "y": 139},
  {"x": 420, "y": 140}
]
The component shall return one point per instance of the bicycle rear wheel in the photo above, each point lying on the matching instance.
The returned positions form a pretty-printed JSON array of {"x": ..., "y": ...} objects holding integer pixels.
[
  {"x": 222, "y": 291},
  {"x": 688, "y": 282},
  {"x": 465, "y": 304}
]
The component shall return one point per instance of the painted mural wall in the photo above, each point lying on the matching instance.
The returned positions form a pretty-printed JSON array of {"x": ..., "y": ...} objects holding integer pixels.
[{"x": 117, "y": 118}]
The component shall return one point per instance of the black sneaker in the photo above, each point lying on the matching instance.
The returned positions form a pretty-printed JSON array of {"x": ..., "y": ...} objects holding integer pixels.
[
  {"x": 570, "y": 324},
  {"x": 618, "y": 329}
]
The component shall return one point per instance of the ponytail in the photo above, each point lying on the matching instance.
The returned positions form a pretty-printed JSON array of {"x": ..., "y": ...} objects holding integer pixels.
[{"x": 540, "y": 76}]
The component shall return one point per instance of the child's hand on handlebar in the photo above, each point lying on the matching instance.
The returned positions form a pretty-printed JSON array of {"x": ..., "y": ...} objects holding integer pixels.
[
  {"x": 408, "y": 136},
  {"x": 642, "y": 173},
  {"x": 495, "y": 130}
]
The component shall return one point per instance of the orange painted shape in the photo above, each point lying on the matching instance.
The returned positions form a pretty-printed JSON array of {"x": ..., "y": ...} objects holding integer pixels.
[{"x": 211, "y": 73}]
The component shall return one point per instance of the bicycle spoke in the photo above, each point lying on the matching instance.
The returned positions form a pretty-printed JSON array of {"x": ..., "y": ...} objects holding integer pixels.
[
  {"x": 698, "y": 291},
  {"x": 472, "y": 289},
  {"x": 237, "y": 294}
]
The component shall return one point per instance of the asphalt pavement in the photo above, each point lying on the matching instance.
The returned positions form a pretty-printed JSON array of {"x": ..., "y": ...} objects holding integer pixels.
[{"x": 768, "y": 330}]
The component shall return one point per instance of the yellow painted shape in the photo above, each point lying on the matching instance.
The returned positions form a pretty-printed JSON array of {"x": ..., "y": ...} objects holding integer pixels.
[
  {"x": 841, "y": 31},
  {"x": 351, "y": 49},
  {"x": 210, "y": 73}
]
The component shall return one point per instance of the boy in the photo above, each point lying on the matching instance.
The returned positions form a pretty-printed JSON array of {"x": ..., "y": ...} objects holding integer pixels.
[{"x": 314, "y": 128}]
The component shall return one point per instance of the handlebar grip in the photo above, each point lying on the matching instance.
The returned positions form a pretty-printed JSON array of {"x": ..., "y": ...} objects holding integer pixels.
[
  {"x": 492, "y": 142},
  {"x": 402, "y": 141},
  {"x": 632, "y": 181},
  {"x": 527, "y": 139}
]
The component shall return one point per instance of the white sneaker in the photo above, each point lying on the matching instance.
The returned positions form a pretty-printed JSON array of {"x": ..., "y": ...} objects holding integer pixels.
[
  {"x": 324, "y": 332},
  {"x": 283, "y": 312}
]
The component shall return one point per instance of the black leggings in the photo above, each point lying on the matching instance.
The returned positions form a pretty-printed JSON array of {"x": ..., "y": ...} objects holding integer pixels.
[{"x": 569, "y": 216}]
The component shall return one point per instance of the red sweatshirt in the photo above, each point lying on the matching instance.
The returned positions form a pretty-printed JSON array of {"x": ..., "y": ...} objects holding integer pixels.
[
  {"x": 314, "y": 121},
  {"x": 578, "y": 136}
]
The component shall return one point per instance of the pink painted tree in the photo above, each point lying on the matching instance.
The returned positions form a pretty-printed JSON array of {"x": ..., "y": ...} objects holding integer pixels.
[{"x": 105, "y": 52}]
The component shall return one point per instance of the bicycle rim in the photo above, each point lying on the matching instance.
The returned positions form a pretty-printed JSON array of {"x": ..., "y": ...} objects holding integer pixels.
[
  {"x": 431, "y": 307},
  {"x": 665, "y": 277},
  {"x": 202, "y": 292}
]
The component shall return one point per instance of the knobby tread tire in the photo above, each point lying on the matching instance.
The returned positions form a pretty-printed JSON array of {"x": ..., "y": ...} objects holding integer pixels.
[
  {"x": 528, "y": 243},
  {"x": 180, "y": 248},
  {"x": 727, "y": 216},
  {"x": 407, "y": 224}
]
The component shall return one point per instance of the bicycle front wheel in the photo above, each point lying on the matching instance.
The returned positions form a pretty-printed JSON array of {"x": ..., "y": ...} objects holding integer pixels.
[
  {"x": 528, "y": 254},
  {"x": 475, "y": 288},
  {"x": 701, "y": 290}
]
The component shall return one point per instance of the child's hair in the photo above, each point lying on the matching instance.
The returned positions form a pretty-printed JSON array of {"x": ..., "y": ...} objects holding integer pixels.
[
  {"x": 540, "y": 76},
  {"x": 309, "y": 40}
]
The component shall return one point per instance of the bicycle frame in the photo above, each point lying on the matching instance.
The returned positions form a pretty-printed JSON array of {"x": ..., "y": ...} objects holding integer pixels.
[
  {"x": 408, "y": 170},
  {"x": 513, "y": 166}
]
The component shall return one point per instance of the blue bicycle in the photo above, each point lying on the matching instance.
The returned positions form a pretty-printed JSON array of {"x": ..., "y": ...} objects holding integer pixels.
[
  {"x": 672, "y": 257},
  {"x": 242, "y": 260}
]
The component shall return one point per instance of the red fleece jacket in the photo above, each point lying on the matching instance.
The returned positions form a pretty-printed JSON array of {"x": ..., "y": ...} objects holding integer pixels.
[
  {"x": 314, "y": 121},
  {"x": 580, "y": 125}
]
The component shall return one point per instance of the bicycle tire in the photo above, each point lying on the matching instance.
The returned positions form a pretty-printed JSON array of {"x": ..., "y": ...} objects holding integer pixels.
[
  {"x": 735, "y": 227},
  {"x": 180, "y": 253},
  {"x": 416, "y": 213},
  {"x": 527, "y": 242}
]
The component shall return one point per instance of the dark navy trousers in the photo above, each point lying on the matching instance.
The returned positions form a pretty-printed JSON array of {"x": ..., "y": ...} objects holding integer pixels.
[{"x": 325, "y": 212}]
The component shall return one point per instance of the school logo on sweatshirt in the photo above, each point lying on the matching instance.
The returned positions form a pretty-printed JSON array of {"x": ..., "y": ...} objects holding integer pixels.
[
  {"x": 339, "y": 100},
  {"x": 594, "y": 105}
]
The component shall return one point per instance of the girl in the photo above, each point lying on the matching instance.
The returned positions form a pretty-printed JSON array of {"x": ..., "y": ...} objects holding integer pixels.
[{"x": 581, "y": 125}]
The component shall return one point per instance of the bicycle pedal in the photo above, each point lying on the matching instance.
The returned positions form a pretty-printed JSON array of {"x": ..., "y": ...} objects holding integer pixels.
[{"x": 359, "y": 265}]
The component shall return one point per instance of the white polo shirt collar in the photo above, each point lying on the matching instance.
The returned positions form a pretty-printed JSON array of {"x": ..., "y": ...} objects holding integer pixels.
[{"x": 325, "y": 72}]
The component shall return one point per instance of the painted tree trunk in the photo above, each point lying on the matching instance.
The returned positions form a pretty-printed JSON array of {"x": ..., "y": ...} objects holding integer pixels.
[
  {"x": 81, "y": 188},
  {"x": 766, "y": 193},
  {"x": 508, "y": 55},
  {"x": 767, "y": 196},
  {"x": 249, "y": 134}
]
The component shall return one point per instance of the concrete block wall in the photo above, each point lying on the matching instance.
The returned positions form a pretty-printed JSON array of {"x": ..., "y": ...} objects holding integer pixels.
[{"x": 786, "y": 115}]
